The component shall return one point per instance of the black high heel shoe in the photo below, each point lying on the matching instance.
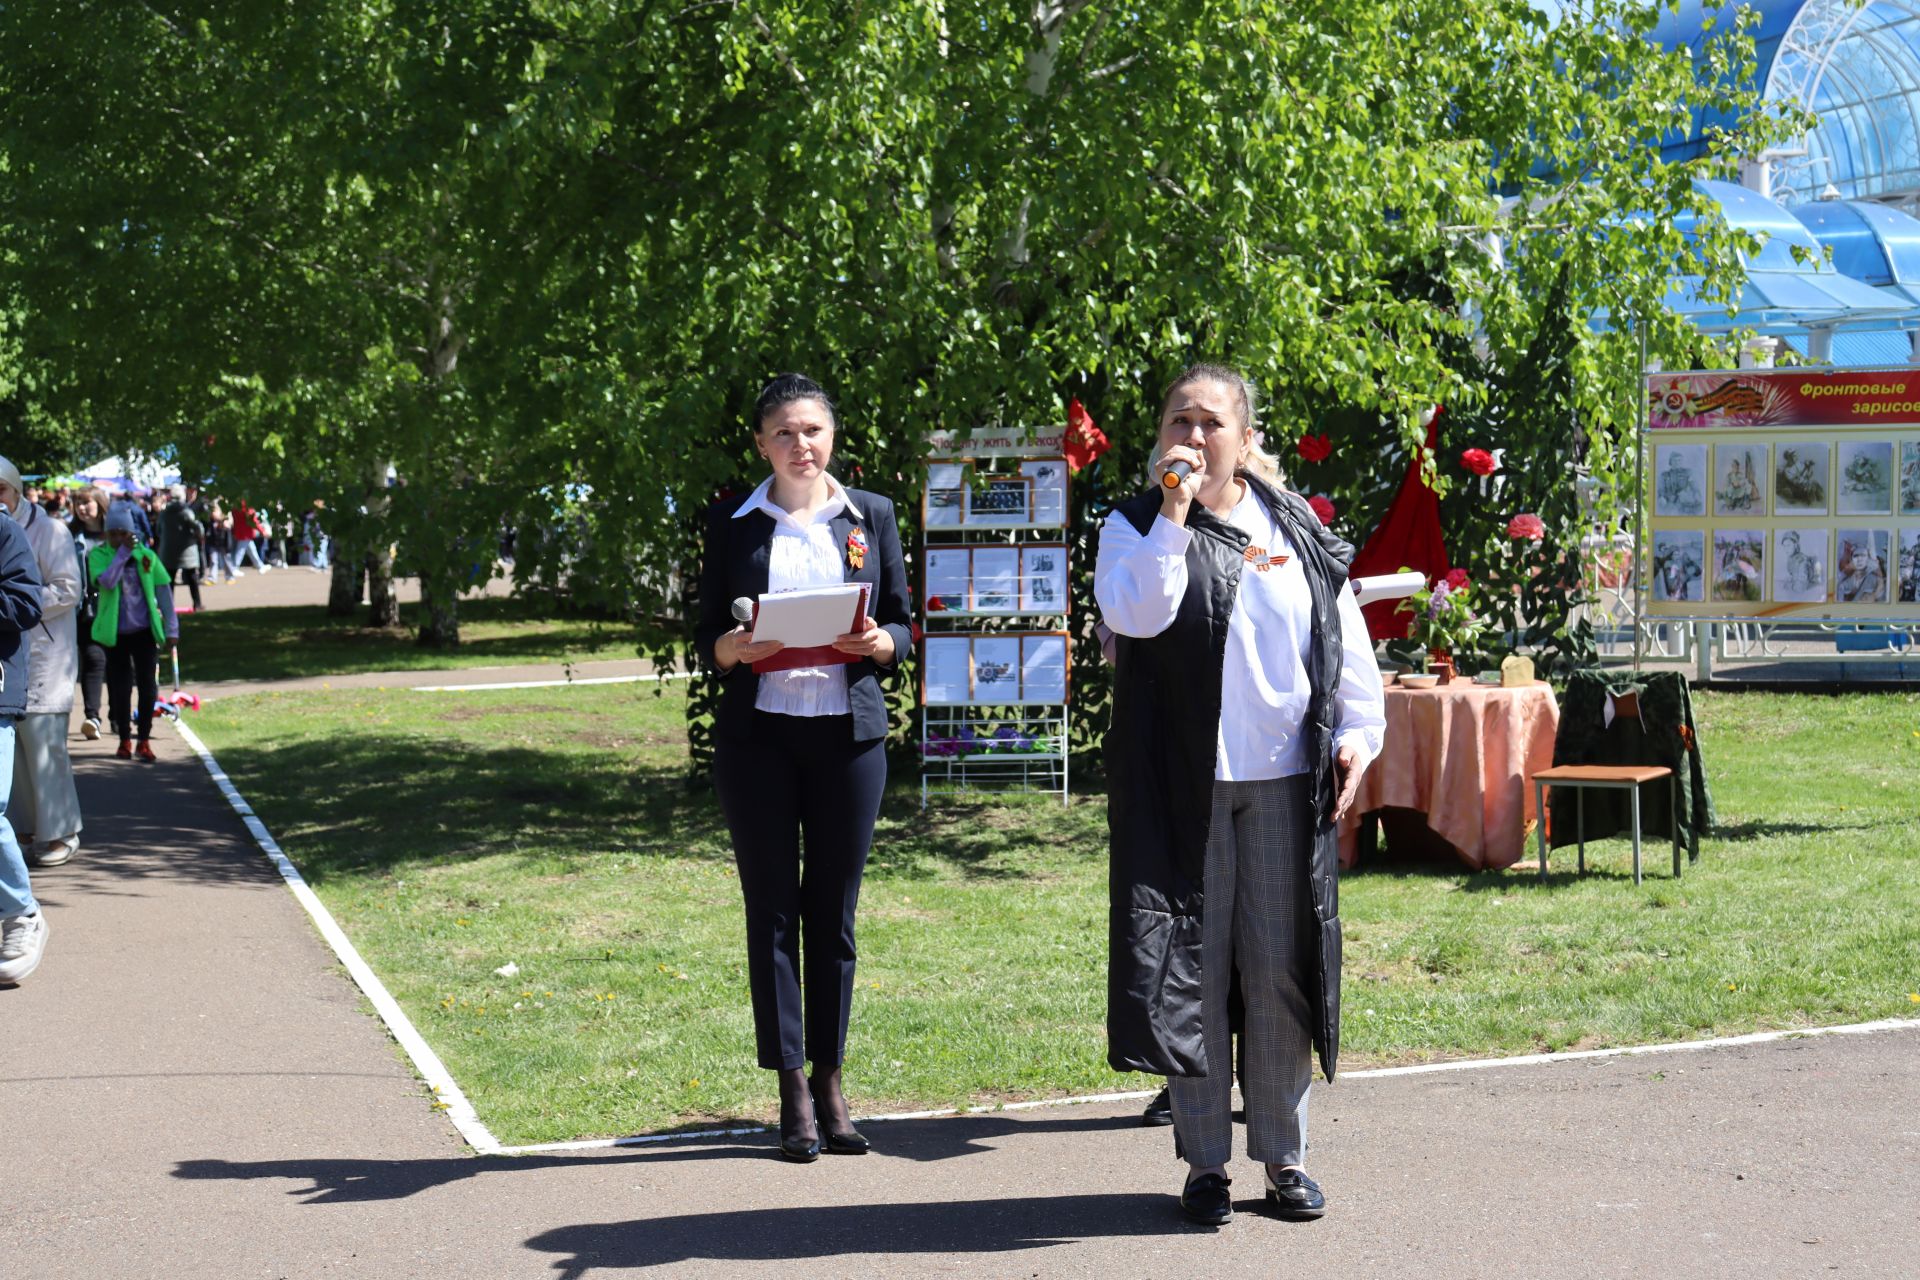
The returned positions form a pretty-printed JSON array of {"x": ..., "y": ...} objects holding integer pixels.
[
  {"x": 850, "y": 1142},
  {"x": 793, "y": 1146}
]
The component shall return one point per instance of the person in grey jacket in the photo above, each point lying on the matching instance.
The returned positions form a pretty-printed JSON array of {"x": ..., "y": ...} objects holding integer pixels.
[
  {"x": 45, "y": 809},
  {"x": 23, "y": 929}
]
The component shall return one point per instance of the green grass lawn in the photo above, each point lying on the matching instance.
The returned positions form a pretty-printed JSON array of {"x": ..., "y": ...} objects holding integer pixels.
[
  {"x": 289, "y": 641},
  {"x": 451, "y": 834}
]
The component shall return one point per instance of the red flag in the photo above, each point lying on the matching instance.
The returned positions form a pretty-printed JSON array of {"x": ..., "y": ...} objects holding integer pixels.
[
  {"x": 1085, "y": 441},
  {"x": 1408, "y": 535}
]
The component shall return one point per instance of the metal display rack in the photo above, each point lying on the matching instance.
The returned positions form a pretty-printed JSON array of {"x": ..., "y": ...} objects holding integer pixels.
[{"x": 996, "y": 658}]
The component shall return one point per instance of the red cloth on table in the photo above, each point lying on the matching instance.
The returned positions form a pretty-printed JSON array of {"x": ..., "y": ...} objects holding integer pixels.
[
  {"x": 1461, "y": 755},
  {"x": 1408, "y": 536}
]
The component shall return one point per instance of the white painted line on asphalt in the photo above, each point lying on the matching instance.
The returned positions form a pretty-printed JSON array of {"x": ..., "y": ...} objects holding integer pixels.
[
  {"x": 445, "y": 1091},
  {"x": 552, "y": 684},
  {"x": 1466, "y": 1064},
  {"x": 1632, "y": 1050}
]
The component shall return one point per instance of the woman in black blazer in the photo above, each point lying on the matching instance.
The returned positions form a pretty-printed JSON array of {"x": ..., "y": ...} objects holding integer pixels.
[{"x": 800, "y": 755}]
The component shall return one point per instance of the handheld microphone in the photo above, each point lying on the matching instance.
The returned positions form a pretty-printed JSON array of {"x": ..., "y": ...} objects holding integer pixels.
[
  {"x": 742, "y": 609},
  {"x": 1175, "y": 473}
]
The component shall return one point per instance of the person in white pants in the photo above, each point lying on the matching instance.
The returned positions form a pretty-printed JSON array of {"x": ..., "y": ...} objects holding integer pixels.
[{"x": 45, "y": 808}]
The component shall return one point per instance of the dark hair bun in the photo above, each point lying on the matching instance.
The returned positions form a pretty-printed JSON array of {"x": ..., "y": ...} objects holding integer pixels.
[{"x": 787, "y": 388}]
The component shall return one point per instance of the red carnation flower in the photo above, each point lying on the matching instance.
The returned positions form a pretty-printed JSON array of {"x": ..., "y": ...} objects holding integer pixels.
[
  {"x": 1456, "y": 579},
  {"x": 1322, "y": 508},
  {"x": 1315, "y": 448},
  {"x": 1085, "y": 440},
  {"x": 1527, "y": 526},
  {"x": 1479, "y": 461}
]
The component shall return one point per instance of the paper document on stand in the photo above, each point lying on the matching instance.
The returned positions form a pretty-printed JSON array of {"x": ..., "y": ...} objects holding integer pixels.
[
  {"x": 1387, "y": 586},
  {"x": 811, "y": 616}
]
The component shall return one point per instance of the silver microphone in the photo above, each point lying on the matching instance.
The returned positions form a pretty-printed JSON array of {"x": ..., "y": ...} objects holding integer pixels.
[
  {"x": 743, "y": 609},
  {"x": 1175, "y": 473}
]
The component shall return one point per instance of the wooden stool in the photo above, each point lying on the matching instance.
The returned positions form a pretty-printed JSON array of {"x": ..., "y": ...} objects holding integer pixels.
[{"x": 1606, "y": 777}]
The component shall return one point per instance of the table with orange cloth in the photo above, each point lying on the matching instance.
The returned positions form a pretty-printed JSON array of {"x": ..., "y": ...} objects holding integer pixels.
[{"x": 1461, "y": 755}]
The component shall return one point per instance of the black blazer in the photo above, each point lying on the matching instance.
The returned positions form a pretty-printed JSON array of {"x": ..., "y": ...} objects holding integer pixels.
[{"x": 735, "y": 564}]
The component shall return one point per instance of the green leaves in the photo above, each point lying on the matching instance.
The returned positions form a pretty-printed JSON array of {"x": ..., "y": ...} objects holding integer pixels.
[{"x": 539, "y": 255}]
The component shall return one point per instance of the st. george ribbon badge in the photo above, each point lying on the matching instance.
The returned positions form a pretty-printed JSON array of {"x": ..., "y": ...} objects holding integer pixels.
[{"x": 1259, "y": 559}]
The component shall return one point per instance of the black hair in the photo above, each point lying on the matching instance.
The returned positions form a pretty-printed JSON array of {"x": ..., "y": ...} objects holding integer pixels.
[{"x": 787, "y": 388}]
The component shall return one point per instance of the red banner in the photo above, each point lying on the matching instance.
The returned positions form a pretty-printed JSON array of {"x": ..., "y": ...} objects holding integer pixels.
[{"x": 1766, "y": 398}]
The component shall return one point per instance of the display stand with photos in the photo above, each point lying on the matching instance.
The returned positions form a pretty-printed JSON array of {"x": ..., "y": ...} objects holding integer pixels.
[
  {"x": 995, "y": 658},
  {"x": 1785, "y": 495}
]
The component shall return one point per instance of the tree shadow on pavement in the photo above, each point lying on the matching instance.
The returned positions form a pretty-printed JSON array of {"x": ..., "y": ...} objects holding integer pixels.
[
  {"x": 150, "y": 823},
  {"x": 831, "y": 1231},
  {"x": 346, "y": 1181},
  {"x": 343, "y": 1181}
]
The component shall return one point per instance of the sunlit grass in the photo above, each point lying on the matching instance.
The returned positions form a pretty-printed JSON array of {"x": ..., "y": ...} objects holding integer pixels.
[
  {"x": 452, "y": 834},
  {"x": 284, "y": 642}
]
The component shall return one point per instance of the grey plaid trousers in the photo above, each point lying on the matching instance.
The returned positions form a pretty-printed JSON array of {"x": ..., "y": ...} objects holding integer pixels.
[{"x": 1258, "y": 918}]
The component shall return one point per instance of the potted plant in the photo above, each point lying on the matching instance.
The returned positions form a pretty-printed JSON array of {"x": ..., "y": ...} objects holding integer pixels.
[{"x": 1443, "y": 621}]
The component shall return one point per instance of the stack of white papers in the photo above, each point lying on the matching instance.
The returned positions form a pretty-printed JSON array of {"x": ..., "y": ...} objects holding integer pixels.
[{"x": 809, "y": 617}]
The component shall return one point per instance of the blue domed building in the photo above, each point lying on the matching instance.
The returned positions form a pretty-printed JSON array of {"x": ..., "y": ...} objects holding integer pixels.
[{"x": 1852, "y": 181}]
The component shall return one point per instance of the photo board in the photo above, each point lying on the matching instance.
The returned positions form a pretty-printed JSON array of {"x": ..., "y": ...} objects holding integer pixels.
[
  {"x": 997, "y": 579},
  {"x": 995, "y": 669},
  {"x": 1775, "y": 494},
  {"x": 1030, "y": 494}
]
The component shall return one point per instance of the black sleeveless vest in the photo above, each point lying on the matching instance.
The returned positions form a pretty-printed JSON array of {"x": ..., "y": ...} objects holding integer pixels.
[{"x": 1160, "y": 763}]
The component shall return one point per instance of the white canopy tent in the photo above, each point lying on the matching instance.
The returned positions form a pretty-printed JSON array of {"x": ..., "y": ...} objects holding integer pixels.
[{"x": 129, "y": 474}]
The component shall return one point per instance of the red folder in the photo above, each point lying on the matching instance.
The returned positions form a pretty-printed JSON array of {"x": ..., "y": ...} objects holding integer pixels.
[{"x": 824, "y": 655}]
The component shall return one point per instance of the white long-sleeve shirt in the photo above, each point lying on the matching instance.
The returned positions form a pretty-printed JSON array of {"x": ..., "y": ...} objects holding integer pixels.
[
  {"x": 802, "y": 555},
  {"x": 1264, "y": 690}
]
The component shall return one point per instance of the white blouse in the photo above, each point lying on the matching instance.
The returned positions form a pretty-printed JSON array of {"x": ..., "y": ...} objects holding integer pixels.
[
  {"x": 1264, "y": 692},
  {"x": 803, "y": 555}
]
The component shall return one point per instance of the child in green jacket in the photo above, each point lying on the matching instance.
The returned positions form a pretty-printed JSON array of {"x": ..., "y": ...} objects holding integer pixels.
[{"x": 135, "y": 616}]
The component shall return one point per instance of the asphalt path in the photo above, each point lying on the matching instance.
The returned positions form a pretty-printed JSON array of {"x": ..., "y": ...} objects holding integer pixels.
[{"x": 190, "y": 1083}]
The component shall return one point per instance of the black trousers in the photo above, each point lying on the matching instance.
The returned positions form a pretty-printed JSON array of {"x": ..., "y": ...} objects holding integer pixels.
[
  {"x": 134, "y": 659},
  {"x": 191, "y": 577},
  {"x": 795, "y": 783},
  {"x": 93, "y": 672}
]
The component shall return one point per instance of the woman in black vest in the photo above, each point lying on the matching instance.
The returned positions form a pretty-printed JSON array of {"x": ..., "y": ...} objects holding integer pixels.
[
  {"x": 1246, "y": 705},
  {"x": 800, "y": 755}
]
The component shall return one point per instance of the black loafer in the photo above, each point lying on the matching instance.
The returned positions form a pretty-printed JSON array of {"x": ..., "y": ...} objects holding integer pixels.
[
  {"x": 1207, "y": 1199},
  {"x": 1295, "y": 1196},
  {"x": 1158, "y": 1111},
  {"x": 850, "y": 1143}
]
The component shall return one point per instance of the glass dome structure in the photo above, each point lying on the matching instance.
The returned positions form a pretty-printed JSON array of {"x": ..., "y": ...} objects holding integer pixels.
[{"x": 1857, "y": 66}]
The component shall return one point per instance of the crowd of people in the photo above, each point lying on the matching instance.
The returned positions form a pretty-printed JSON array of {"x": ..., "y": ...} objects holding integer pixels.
[
  {"x": 86, "y": 599},
  {"x": 200, "y": 539}
]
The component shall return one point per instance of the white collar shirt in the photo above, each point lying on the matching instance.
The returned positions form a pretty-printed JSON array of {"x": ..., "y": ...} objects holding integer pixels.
[
  {"x": 1264, "y": 686},
  {"x": 803, "y": 554}
]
